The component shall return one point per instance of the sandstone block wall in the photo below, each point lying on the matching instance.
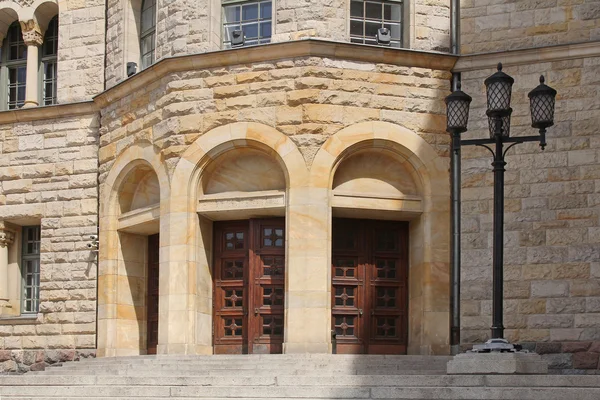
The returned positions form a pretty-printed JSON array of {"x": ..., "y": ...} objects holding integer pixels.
[
  {"x": 48, "y": 176},
  {"x": 496, "y": 25},
  {"x": 307, "y": 99},
  {"x": 552, "y": 226},
  {"x": 431, "y": 27},
  {"x": 81, "y": 50}
]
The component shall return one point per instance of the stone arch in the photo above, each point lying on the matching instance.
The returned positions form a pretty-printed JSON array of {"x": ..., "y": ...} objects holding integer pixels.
[
  {"x": 9, "y": 13},
  {"x": 135, "y": 190},
  {"x": 42, "y": 11},
  {"x": 429, "y": 223},
  {"x": 191, "y": 234},
  {"x": 142, "y": 154}
]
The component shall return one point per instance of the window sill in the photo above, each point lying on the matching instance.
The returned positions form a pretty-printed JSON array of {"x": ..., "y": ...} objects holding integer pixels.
[{"x": 19, "y": 320}]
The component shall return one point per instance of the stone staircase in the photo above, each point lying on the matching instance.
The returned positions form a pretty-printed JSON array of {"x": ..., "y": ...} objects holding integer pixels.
[{"x": 284, "y": 377}]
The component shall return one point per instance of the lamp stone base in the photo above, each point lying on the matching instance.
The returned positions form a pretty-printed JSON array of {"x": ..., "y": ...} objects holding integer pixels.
[{"x": 497, "y": 363}]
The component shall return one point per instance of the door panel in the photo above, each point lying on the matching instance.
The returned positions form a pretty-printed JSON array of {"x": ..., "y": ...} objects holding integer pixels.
[
  {"x": 230, "y": 300},
  {"x": 152, "y": 294},
  {"x": 369, "y": 286},
  {"x": 249, "y": 286}
]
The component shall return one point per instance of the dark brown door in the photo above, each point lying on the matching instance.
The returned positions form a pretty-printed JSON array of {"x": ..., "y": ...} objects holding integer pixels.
[
  {"x": 249, "y": 271},
  {"x": 369, "y": 286},
  {"x": 152, "y": 298}
]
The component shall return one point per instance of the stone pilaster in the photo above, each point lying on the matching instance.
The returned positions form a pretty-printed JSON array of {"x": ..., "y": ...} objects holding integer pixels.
[
  {"x": 33, "y": 38},
  {"x": 7, "y": 237}
]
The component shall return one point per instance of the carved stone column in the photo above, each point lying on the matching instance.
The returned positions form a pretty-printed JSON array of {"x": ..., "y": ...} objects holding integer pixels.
[
  {"x": 7, "y": 237},
  {"x": 33, "y": 38}
]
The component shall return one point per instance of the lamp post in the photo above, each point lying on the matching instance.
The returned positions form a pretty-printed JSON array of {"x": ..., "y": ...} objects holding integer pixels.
[{"x": 499, "y": 90}]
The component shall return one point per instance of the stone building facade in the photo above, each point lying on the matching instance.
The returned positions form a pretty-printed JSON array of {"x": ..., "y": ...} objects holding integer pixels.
[{"x": 254, "y": 199}]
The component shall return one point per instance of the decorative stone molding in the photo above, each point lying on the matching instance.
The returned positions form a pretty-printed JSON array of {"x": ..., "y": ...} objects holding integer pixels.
[
  {"x": 32, "y": 34},
  {"x": 7, "y": 236}
]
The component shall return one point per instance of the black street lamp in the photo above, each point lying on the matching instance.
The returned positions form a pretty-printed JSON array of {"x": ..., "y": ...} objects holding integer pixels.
[{"x": 499, "y": 89}]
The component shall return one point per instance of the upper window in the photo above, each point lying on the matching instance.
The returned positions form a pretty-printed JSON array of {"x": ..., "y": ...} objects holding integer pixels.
[
  {"x": 30, "y": 269},
  {"x": 366, "y": 17},
  {"x": 14, "y": 61},
  {"x": 148, "y": 33},
  {"x": 49, "y": 51},
  {"x": 254, "y": 18}
]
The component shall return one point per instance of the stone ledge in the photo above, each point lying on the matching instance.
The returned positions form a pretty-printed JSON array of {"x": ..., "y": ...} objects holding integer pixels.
[
  {"x": 474, "y": 62},
  {"x": 497, "y": 363},
  {"x": 47, "y": 112},
  {"x": 20, "y": 320}
]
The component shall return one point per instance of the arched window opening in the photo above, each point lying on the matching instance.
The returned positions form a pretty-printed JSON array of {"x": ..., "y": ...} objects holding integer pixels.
[
  {"x": 49, "y": 63},
  {"x": 148, "y": 33},
  {"x": 14, "y": 67}
]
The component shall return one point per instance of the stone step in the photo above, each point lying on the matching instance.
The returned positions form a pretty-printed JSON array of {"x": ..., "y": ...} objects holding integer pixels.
[
  {"x": 273, "y": 366},
  {"x": 228, "y": 371},
  {"x": 295, "y": 392},
  {"x": 319, "y": 381}
]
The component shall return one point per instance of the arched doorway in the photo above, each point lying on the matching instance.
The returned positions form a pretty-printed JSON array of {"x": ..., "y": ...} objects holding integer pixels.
[
  {"x": 370, "y": 256},
  {"x": 385, "y": 177},
  {"x": 131, "y": 197},
  {"x": 243, "y": 191}
]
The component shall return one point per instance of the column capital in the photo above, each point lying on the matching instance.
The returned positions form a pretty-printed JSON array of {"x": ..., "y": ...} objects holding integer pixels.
[
  {"x": 32, "y": 34},
  {"x": 7, "y": 235}
]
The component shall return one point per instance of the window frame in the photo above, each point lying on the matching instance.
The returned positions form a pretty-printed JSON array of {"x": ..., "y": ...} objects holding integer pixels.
[
  {"x": 226, "y": 44},
  {"x": 149, "y": 32},
  {"x": 404, "y": 22},
  {"x": 25, "y": 258},
  {"x": 43, "y": 59},
  {"x": 5, "y": 65}
]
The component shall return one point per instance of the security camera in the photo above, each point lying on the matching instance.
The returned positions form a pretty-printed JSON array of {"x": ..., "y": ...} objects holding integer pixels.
[
  {"x": 93, "y": 237},
  {"x": 93, "y": 245},
  {"x": 383, "y": 36}
]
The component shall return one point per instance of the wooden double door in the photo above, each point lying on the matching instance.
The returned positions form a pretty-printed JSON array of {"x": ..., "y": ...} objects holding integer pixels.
[
  {"x": 249, "y": 293},
  {"x": 152, "y": 294},
  {"x": 370, "y": 286}
]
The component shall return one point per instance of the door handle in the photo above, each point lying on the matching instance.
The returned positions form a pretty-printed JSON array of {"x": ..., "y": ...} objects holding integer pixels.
[
  {"x": 256, "y": 311},
  {"x": 360, "y": 312}
]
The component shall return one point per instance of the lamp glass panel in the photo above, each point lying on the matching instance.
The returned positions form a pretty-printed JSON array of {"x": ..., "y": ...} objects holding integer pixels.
[
  {"x": 498, "y": 95},
  {"x": 542, "y": 109},
  {"x": 458, "y": 114}
]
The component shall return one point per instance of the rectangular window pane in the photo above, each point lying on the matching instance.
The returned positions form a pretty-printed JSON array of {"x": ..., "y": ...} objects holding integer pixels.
[
  {"x": 250, "y": 11},
  {"x": 371, "y": 28},
  {"x": 373, "y": 10},
  {"x": 356, "y": 9},
  {"x": 265, "y": 10},
  {"x": 231, "y": 14},
  {"x": 356, "y": 28},
  {"x": 392, "y": 12},
  {"x": 265, "y": 29}
]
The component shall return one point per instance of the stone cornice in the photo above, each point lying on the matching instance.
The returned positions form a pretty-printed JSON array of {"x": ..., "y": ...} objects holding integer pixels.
[
  {"x": 278, "y": 51},
  {"x": 47, "y": 112},
  {"x": 481, "y": 61}
]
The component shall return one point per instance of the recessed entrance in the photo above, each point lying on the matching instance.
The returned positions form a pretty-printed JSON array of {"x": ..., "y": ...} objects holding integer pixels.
[
  {"x": 248, "y": 273},
  {"x": 370, "y": 286}
]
